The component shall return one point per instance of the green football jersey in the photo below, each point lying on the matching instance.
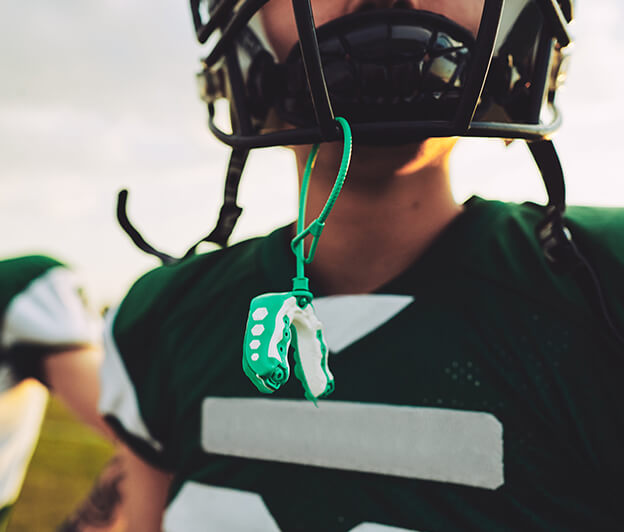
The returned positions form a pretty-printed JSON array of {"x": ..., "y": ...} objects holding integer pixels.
[
  {"x": 475, "y": 391},
  {"x": 40, "y": 308}
]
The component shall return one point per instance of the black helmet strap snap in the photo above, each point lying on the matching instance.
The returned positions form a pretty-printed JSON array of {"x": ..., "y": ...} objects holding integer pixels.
[{"x": 555, "y": 238}]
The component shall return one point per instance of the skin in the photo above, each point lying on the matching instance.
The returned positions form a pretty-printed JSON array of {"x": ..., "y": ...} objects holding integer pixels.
[
  {"x": 395, "y": 203},
  {"x": 129, "y": 495},
  {"x": 73, "y": 377},
  {"x": 387, "y": 188},
  {"x": 142, "y": 489},
  {"x": 101, "y": 509}
]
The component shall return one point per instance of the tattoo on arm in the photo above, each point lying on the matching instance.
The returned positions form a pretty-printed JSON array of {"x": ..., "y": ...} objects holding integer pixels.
[{"x": 101, "y": 506}]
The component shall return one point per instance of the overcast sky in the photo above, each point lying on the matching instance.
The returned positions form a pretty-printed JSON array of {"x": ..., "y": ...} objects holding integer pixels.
[{"x": 96, "y": 96}]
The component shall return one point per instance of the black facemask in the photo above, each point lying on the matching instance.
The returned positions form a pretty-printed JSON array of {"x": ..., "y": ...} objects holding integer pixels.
[{"x": 379, "y": 65}]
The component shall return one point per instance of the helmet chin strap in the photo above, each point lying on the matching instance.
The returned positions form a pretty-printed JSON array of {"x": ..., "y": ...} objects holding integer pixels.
[
  {"x": 134, "y": 234},
  {"x": 228, "y": 215},
  {"x": 552, "y": 234},
  {"x": 555, "y": 238}
]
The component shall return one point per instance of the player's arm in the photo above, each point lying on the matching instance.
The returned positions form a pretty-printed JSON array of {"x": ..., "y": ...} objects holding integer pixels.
[
  {"x": 129, "y": 495},
  {"x": 101, "y": 510},
  {"x": 73, "y": 375},
  {"x": 144, "y": 493}
]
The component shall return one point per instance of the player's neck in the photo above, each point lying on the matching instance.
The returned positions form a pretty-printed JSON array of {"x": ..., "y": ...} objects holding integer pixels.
[{"x": 377, "y": 228}]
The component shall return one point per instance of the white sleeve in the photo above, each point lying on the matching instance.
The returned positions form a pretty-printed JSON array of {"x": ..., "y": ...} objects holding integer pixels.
[
  {"x": 50, "y": 311},
  {"x": 118, "y": 397}
]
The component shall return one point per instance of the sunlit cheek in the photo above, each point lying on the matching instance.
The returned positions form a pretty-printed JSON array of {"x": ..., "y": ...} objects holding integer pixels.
[
  {"x": 473, "y": 16},
  {"x": 279, "y": 25},
  {"x": 470, "y": 14},
  {"x": 327, "y": 10}
]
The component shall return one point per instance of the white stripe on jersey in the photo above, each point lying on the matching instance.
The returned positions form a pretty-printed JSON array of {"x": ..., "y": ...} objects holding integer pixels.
[
  {"x": 202, "y": 508},
  {"x": 347, "y": 319},
  {"x": 374, "y": 527},
  {"x": 117, "y": 395},
  {"x": 436, "y": 444}
]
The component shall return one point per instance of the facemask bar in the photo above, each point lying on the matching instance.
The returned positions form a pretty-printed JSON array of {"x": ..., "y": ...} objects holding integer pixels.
[
  {"x": 557, "y": 21},
  {"x": 229, "y": 31},
  {"x": 314, "y": 69},
  {"x": 486, "y": 39},
  {"x": 218, "y": 16}
]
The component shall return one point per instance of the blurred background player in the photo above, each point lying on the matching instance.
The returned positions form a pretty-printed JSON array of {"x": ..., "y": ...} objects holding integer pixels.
[{"x": 44, "y": 317}]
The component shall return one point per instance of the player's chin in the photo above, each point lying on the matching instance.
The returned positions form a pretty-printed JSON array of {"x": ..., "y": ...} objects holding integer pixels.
[{"x": 388, "y": 154}]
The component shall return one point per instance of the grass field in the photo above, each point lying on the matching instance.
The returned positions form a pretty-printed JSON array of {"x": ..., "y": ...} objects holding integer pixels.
[{"x": 67, "y": 460}]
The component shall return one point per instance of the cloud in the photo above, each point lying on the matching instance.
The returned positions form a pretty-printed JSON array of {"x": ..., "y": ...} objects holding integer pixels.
[{"x": 91, "y": 53}]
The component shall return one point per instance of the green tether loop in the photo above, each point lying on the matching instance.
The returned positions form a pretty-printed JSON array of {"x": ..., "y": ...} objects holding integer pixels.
[{"x": 316, "y": 227}]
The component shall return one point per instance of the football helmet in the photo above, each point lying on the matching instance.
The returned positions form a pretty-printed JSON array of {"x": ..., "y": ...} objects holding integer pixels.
[
  {"x": 394, "y": 74},
  {"x": 397, "y": 75}
]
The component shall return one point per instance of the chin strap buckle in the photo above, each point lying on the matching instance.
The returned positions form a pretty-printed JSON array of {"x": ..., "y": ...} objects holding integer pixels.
[{"x": 556, "y": 242}]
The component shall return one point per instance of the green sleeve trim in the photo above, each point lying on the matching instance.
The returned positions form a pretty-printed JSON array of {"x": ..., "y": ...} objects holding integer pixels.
[{"x": 16, "y": 274}]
